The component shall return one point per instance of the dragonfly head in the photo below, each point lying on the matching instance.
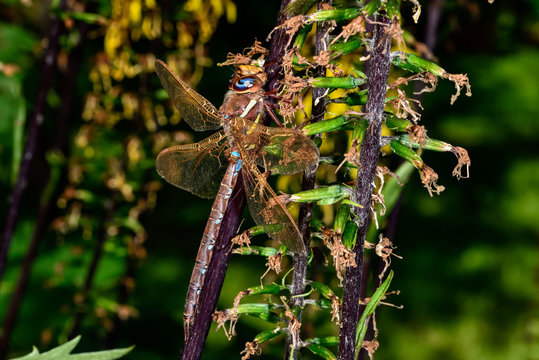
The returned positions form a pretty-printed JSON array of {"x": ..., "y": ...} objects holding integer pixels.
[{"x": 247, "y": 79}]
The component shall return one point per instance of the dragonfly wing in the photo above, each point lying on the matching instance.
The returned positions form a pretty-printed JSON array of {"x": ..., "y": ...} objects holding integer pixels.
[
  {"x": 197, "y": 168},
  {"x": 281, "y": 150},
  {"x": 268, "y": 211},
  {"x": 198, "y": 112}
]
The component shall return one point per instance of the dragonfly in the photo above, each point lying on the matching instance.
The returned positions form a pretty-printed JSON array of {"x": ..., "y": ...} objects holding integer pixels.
[{"x": 211, "y": 167}]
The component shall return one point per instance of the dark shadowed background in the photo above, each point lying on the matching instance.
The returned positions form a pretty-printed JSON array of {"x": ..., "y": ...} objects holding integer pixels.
[{"x": 470, "y": 269}]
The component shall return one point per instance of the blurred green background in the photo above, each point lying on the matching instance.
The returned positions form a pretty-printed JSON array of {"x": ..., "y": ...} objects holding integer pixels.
[{"x": 470, "y": 269}]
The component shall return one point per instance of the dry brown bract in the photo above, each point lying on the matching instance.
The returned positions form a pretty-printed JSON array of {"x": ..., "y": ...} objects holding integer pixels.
[
  {"x": 429, "y": 179},
  {"x": 418, "y": 134},
  {"x": 291, "y": 26},
  {"x": 247, "y": 57},
  {"x": 416, "y": 10},
  {"x": 342, "y": 256},
  {"x": 251, "y": 348},
  {"x": 352, "y": 156},
  {"x": 403, "y": 109},
  {"x": 293, "y": 324},
  {"x": 221, "y": 317},
  {"x": 371, "y": 347},
  {"x": 274, "y": 263},
  {"x": 460, "y": 80},
  {"x": 463, "y": 160},
  {"x": 384, "y": 249},
  {"x": 242, "y": 240},
  {"x": 335, "y": 309}
]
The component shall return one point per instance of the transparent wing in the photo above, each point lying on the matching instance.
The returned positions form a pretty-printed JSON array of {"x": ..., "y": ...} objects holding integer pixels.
[
  {"x": 198, "y": 112},
  {"x": 281, "y": 150},
  {"x": 197, "y": 168},
  {"x": 268, "y": 211}
]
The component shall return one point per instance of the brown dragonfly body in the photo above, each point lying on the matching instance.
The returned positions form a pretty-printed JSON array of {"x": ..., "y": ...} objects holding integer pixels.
[{"x": 210, "y": 168}]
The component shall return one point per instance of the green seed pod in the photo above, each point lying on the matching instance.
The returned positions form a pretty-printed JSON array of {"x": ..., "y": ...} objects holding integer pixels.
[
  {"x": 329, "y": 193},
  {"x": 317, "y": 224},
  {"x": 337, "y": 15},
  {"x": 302, "y": 35},
  {"x": 430, "y": 144},
  {"x": 323, "y": 289},
  {"x": 345, "y": 47},
  {"x": 372, "y": 6},
  {"x": 341, "y": 218},
  {"x": 417, "y": 64},
  {"x": 352, "y": 99},
  {"x": 349, "y": 82},
  {"x": 324, "y": 126},
  {"x": 393, "y": 8},
  {"x": 359, "y": 130},
  {"x": 394, "y": 123},
  {"x": 267, "y": 335},
  {"x": 406, "y": 153},
  {"x": 257, "y": 250},
  {"x": 267, "y": 289},
  {"x": 349, "y": 235}
]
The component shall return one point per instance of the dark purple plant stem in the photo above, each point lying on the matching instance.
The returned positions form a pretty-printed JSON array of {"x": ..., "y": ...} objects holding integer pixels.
[
  {"x": 433, "y": 16},
  {"x": 47, "y": 204},
  {"x": 213, "y": 282},
  {"x": 280, "y": 42},
  {"x": 368, "y": 160},
  {"x": 45, "y": 83},
  {"x": 11, "y": 316},
  {"x": 299, "y": 274}
]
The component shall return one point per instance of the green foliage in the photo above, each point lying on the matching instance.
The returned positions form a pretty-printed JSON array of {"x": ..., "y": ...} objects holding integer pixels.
[
  {"x": 63, "y": 352},
  {"x": 362, "y": 327},
  {"x": 17, "y": 46}
]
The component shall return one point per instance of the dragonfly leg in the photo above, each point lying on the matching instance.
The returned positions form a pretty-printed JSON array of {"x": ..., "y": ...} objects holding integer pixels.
[{"x": 270, "y": 112}]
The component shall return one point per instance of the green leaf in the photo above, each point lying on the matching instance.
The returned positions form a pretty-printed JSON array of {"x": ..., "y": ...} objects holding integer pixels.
[
  {"x": 321, "y": 351},
  {"x": 102, "y": 355},
  {"x": 362, "y": 325},
  {"x": 64, "y": 352}
]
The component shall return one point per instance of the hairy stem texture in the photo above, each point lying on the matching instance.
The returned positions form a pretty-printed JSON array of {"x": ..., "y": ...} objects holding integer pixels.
[{"x": 368, "y": 160}]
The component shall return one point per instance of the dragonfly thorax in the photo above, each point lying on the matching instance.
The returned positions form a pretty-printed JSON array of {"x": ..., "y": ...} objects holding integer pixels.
[{"x": 240, "y": 105}]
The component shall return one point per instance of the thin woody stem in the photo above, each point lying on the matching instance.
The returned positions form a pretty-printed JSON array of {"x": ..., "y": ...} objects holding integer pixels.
[
  {"x": 368, "y": 160},
  {"x": 299, "y": 274},
  {"x": 47, "y": 204},
  {"x": 45, "y": 83}
]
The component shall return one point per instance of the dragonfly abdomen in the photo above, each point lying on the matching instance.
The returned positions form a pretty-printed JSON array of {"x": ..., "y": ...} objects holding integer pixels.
[{"x": 208, "y": 242}]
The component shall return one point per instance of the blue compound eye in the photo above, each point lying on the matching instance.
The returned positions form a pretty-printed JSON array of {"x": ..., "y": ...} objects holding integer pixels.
[{"x": 244, "y": 83}]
